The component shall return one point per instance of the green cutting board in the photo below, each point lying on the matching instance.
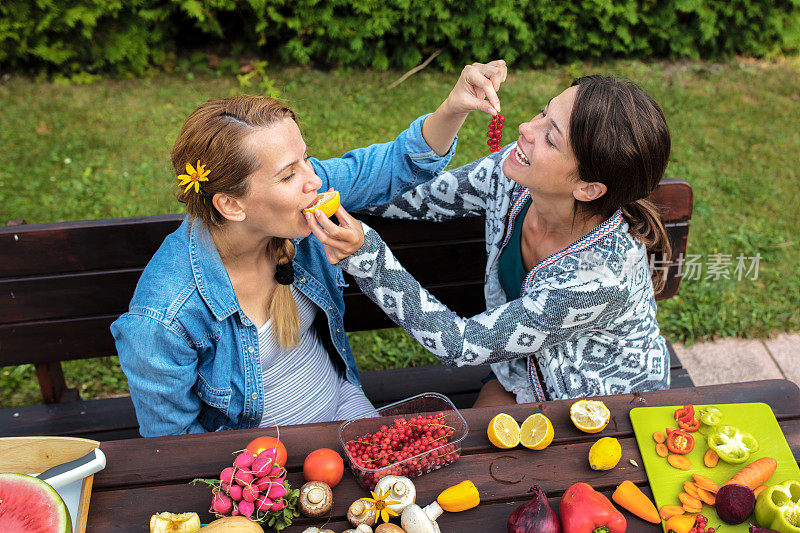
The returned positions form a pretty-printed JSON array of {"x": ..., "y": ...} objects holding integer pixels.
[{"x": 666, "y": 482}]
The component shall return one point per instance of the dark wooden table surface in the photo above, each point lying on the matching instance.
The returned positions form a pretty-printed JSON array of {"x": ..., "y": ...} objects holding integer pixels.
[{"x": 145, "y": 476}]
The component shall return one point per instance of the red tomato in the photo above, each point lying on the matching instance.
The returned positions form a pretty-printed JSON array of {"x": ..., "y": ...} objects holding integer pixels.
[
  {"x": 265, "y": 443},
  {"x": 324, "y": 465}
]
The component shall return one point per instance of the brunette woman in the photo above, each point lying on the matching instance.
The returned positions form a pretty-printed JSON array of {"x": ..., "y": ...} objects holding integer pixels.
[
  {"x": 570, "y": 301},
  {"x": 236, "y": 322}
]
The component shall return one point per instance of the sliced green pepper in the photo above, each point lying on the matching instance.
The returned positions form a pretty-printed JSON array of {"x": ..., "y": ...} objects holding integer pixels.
[
  {"x": 732, "y": 445},
  {"x": 711, "y": 416},
  {"x": 778, "y": 507}
]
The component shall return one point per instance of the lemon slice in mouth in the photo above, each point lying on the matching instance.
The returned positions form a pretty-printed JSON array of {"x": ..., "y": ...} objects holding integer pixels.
[{"x": 327, "y": 202}]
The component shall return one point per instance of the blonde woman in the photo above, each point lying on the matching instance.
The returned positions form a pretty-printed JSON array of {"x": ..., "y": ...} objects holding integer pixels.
[{"x": 236, "y": 321}]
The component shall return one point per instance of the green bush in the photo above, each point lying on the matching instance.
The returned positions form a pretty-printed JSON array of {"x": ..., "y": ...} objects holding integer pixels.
[{"x": 128, "y": 36}]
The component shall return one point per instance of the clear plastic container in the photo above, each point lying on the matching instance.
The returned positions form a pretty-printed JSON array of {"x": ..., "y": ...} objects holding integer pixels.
[{"x": 446, "y": 450}]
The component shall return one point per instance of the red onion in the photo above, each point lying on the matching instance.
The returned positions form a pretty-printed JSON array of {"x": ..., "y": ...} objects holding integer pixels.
[{"x": 536, "y": 516}]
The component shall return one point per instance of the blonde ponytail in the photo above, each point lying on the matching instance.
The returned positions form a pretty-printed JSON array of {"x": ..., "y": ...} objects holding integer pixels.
[
  {"x": 282, "y": 307},
  {"x": 645, "y": 223}
]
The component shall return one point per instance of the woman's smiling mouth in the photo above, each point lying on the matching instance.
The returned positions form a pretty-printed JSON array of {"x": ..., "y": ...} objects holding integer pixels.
[{"x": 520, "y": 157}]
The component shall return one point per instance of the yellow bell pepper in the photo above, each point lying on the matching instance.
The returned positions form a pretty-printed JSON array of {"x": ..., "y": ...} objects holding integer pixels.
[
  {"x": 459, "y": 497},
  {"x": 681, "y": 523}
]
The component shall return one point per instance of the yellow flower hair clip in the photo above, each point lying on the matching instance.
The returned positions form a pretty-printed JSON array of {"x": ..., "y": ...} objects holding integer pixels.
[{"x": 194, "y": 177}]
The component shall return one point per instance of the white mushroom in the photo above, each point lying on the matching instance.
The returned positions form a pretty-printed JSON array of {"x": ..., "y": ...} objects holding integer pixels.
[
  {"x": 362, "y": 528},
  {"x": 314, "y": 529},
  {"x": 415, "y": 519},
  {"x": 315, "y": 499},
  {"x": 389, "y": 528},
  {"x": 360, "y": 512},
  {"x": 400, "y": 489}
]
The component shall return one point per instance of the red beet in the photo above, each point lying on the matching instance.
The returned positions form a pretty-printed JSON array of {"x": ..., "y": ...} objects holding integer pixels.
[
  {"x": 735, "y": 503},
  {"x": 536, "y": 516}
]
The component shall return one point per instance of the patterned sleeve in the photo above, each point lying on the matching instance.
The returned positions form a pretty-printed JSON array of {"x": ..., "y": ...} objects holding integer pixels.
[
  {"x": 457, "y": 193},
  {"x": 556, "y": 310}
]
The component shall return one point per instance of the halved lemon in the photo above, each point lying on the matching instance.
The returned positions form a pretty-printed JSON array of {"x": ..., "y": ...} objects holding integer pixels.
[
  {"x": 503, "y": 431},
  {"x": 590, "y": 416},
  {"x": 327, "y": 202},
  {"x": 536, "y": 432}
]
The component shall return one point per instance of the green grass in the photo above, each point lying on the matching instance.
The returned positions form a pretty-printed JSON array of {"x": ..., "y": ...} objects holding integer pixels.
[{"x": 81, "y": 152}]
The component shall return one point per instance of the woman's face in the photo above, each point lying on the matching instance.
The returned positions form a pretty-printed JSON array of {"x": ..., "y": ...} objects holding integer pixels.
[
  {"x": 284, "y": 184},
  {"x": 543, "y": 160}
]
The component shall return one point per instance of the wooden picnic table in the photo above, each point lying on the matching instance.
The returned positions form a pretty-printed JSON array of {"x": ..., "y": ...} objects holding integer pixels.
[{"x": 145, "y": 476}]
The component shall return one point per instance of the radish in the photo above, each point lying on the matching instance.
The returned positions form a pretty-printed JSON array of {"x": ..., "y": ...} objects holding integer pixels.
[
  {"x": 249, "y": 493},
  {"x": 236, "y": 492},
  {"x": 226, "y": 476},
  {"x": 263, "y": 503},
  {"x": 244, "y": 460},
  {"x": 247, "y": 508},
  {"x": 263, "y": 484},
  {"x": 221, "y": 504},
  {"x": 243, "y": 477},
  {"x": 276, "y": 471},
  {"x": 261, "y": 466},
  {"x": 235, "y": 511},
  {"x": 276, "y": 491},
  {"x": 269, "y": 453},
  {"x": 278, "y": 505},
  {"x": 224, "y": 487}
]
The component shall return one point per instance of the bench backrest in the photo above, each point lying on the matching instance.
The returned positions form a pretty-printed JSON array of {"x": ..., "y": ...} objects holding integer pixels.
[{"x": 63, "y": 284}]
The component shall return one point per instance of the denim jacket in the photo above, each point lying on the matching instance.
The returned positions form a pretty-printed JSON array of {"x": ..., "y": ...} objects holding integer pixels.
[{"x": 188, "y": 350}]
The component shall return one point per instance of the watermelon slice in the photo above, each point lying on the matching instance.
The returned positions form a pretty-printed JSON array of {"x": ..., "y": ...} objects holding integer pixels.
[{"x": 30, "y": 505}]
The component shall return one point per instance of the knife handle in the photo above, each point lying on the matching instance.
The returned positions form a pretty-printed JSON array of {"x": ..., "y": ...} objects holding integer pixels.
[{"x": 64, "y": 474}]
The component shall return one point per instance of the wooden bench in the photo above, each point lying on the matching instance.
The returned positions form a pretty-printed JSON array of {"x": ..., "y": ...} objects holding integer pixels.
[{"x": 63, "y": 284}]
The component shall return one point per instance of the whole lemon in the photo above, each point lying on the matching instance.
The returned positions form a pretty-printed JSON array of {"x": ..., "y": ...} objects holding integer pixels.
[{"x": 605, "y": 454}]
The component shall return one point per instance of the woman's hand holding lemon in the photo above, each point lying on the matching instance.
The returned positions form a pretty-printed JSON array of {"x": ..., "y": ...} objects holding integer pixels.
[{"x": 340, "y": 240}]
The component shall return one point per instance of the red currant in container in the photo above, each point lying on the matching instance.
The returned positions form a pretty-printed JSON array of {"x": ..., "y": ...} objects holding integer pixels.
[{"x": 408, "y": 438}]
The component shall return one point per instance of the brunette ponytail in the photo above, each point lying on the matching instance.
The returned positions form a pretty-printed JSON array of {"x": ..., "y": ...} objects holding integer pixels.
[
  {"x": 645, "y": 223},
  {"x": 282, "y": 307}
]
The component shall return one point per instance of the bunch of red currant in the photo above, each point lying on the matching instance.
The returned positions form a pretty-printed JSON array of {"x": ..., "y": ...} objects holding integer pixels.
[
  {"x": 406, "y": 448},
  {"x": 700, "y": 524},
  {"x": 494, "y": 132}
]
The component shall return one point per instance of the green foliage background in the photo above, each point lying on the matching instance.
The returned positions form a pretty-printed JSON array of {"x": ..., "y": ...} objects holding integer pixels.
[
  {"x": 72, "y": 152},
  {"x": 130, "y": 36}
]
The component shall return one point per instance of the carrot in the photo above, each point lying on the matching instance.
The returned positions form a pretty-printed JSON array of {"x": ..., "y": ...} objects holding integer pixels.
[
  {"x": 668, "y": 511},
  {"x": 659, "y": 437},
  {"x": 704, "y": 483},
  {"x": 707, "y": 497},
  {"x": 690, "y": 509},
  {"x": 689, "y": 501},
  {"x": 691, "y": 488},
  {"x": 679, "y": 461},
  {"x": 755, "y": 474},
  {"x": 710, "y": 459},
  {"x": 634, "y": 500},
  {"x": 757, "y": 490},
  {"x": 662, "y": 450}
]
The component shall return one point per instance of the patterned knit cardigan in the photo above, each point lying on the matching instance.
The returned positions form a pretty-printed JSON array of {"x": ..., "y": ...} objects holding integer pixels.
[{"x": 586, "y": 315}]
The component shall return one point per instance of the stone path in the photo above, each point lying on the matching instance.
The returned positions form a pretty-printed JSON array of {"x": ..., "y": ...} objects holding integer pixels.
[{"x": 735, "y": 360}]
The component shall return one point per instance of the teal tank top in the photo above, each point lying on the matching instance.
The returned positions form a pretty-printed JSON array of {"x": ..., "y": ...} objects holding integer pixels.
[{"x": 511, "y": 271}]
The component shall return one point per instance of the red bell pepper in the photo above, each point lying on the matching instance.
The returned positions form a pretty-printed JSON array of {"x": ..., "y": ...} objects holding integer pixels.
[
  {"x": 680, "y": 442},
  {"x": 584, "y": 510},
  {"x": 685, "y": 413},
  {"x": 690, "y": 425}
]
